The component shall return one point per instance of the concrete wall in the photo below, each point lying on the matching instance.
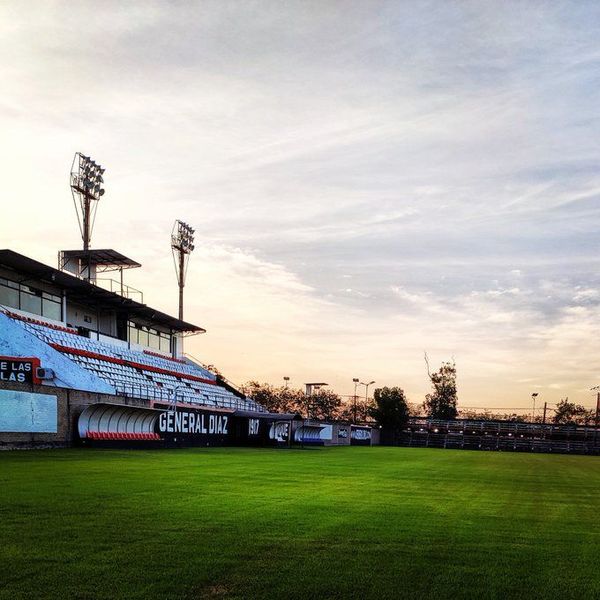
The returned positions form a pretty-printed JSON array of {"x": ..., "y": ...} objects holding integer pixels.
[{"x": 81, "y": 316}]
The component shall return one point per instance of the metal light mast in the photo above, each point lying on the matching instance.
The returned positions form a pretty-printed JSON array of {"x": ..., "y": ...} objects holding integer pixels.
[
  {"x": 182, "y": 244},
  {"x": 87, "y": 188}
]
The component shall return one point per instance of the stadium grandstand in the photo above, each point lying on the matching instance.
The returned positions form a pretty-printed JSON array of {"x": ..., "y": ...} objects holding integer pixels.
[
  {"x": 125, "y": 347},
  {"x": 61, "y": 331},
  {"x": 84, "y": 360}
]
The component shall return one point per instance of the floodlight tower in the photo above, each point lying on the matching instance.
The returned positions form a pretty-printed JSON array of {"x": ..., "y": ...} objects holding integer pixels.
[
  {"x": 182, "y": 244},
  {"x": 87, "y": 188}
]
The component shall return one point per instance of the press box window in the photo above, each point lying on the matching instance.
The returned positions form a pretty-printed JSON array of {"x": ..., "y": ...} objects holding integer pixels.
[
  {"x": 151, "y": 338},
  {"x": 31, "y": 300},
  {"x": 51, "y": 306},
  {"x": 9, "y": 293}
]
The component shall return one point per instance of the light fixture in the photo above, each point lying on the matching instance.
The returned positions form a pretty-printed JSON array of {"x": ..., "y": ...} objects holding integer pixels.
[
  {"x": 86, "y": 186},
  {"x": 182, "y": 244}
]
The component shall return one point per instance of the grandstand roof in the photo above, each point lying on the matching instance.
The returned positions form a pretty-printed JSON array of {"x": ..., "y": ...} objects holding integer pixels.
[{"x": 86, "y": 292}]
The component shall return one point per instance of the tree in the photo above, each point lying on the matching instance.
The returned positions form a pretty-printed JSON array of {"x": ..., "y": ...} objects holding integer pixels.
[
  {"x": 275, "y": 399},
  {"x": 569, "y": 413},
  {"x": 323, "y": 404},
  {"x": 356, "y": 410},
  {"x": 441, "y": 403},
  {"x": 390, "y": 411}
]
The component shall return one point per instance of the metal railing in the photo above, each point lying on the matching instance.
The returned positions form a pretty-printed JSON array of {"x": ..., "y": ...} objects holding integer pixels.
[
  {"x": 141, "y": 392},
  {"x": 122, "y": 289}
]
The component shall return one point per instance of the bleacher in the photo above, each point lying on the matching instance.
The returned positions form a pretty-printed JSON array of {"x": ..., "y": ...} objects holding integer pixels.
[
  {"x": 500, "y": 435},
  {"x": 139, "y": 374}
]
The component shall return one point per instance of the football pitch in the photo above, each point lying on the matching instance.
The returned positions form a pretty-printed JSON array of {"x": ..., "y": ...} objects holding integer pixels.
[{"x": 314, "y": 523}]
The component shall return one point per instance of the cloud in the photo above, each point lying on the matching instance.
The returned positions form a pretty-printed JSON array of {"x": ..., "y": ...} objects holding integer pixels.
[{"x": 366, "y": 182}]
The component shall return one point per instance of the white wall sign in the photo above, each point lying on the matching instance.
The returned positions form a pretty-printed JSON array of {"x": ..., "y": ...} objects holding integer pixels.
[
  {"x": 193, "y": 422},
  {"x": 24, "y": 412}
]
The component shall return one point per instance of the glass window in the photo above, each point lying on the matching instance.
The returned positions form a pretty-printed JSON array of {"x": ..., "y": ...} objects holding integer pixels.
[
  {"x": 154, "y": 340},
  {"x": 165, "y": 342},
  {"x": 51, "y": 309},
  {"x": 9, "y": 283},
  {"x": 142, "y": 337},
  {"x": 31, "y": 302},
  {"x": 9, "y": 296},
  {"x": 133, "y": 336},
  {"x": 51, "y": 297}
]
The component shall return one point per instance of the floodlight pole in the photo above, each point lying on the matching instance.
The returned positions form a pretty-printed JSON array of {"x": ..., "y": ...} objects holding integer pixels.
[
  {"x": 355, "y": 381},
  {"x": 86, "y": 223},
  {"x": 86, "y": 186},
  {"x": 533, "y": 397},
  {"x": 181, "y": 282},
  {"x": 367, "y": 389},
  {"x": 182, "y": 244}
]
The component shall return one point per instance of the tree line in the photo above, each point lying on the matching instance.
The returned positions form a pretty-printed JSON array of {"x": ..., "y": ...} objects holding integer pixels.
[
  {"x": 390, "y": 408},
  {"x": 389, "y": 405}
]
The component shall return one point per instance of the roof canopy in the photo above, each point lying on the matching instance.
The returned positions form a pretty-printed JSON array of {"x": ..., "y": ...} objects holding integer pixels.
[
  {"x": 106, "y": 259},
  {"x": 85, "y": 292}
]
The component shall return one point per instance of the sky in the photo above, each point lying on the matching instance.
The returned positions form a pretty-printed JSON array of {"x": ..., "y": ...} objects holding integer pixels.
[{"x": 367, "y": 180}]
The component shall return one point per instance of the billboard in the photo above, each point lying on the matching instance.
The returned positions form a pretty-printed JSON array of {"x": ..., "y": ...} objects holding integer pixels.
[{"x": 194, "y": 427}]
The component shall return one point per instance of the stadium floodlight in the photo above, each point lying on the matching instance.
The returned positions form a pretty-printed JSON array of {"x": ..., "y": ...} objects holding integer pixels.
[
  {"x": 182, "y": 245},
  {"x": 86, "y": 183}
]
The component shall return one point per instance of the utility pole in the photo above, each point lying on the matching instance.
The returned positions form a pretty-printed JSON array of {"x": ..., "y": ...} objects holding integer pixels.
[
  {"x": 596, "y": 389},
  {"x": 545, "y": 408}
]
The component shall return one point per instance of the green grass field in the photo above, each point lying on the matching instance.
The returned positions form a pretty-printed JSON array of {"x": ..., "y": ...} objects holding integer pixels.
[{"x": 319, "y": 523}]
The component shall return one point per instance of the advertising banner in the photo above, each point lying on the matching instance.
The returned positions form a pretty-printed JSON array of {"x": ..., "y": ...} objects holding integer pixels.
[
  {"x": 360, "y": 436},
  {"x": 18, "y": 370}
]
